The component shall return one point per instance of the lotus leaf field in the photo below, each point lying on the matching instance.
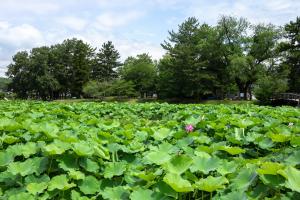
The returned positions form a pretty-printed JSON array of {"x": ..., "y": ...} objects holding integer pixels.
[{"x": 115, "y": 151}]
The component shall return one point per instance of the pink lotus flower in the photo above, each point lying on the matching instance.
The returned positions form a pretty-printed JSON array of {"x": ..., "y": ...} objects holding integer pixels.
[{"x": 189, "y": 128}]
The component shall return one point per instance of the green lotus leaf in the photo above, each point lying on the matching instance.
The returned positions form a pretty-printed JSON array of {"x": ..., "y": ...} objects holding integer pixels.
[
  {"x": 295, "y": 141},
  {"x": 144, "y": 194},
  {"x": 146, "y": 176},
  {"x": 60, "y": 182},
  {"x": 68, "y": 162},
  {"x": 89, "y": 185},
  {"x": 226, "y": 167},
  {"x": 34, "y": 179},
  {"x": 293, "y": 159},
  {"x": 211, "y": 184},
  {"x": 76, "y": 196},
  {"x": 166, "y": 147},
  {"x": 157, "y": 157},
  {"x": 244, "y": 123},
  {"x": 203, "y": 139},
  {"x": 22, "y": 195},
  {"x": 235, "y": 195},
  {"x": 22, "y": 168},
  {"x": 162, "y": 133},
  {"x": 270, "y": 168},
  {"x": 67, "y": 137},
  {"x": 6, "y": 158},
  {"x": 178, "y": 183},
  {"x": 202, "y": 154},
  {"x": 278, "y": 137},
  {"x": 39, "y": 165},
  {"x": 9, "y": 124},
  {"x": 114, "y": 169},
  {"x": 193, "y": 120},
  {"x": 50, "y": 130},
  {"x": 166, "y": 189},
  {"x": 272, "y": 180},
  {"x": 101, "y": 152},
  {"x": 29, "y": 149},
  {"x": 15, "y": 150},
  {"x": 114, "y": 147},
  {"x": 56, "y": 148},
  {"x": 109, "y": 125},
  {"x": 8, "y": 139},
  {"x": 6, "y": 176},
  {"x": 178, "y": 164},
  {"x": 83, "y": 149},
  {"x": 76, "y": 175},
  {"x": 36, "y": 188},
  {"x": 292, "y": 176},
  {"x": 115, "y": 193},
  {"x": 204, "y": 164},
  {"x": 244, "y": 179},
  {"x": 232, "y": 150},
  {"x": 89, "y": 165}
]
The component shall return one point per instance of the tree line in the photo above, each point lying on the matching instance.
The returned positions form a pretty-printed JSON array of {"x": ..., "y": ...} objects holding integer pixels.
[{"x": 201, "y": 61}]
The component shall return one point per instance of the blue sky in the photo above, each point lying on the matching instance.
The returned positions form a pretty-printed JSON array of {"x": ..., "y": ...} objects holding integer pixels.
[{"x": 134, "y": 26}]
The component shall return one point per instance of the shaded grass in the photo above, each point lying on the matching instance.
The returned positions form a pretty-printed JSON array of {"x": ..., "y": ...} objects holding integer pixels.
[{"x": 138, "y": 100}]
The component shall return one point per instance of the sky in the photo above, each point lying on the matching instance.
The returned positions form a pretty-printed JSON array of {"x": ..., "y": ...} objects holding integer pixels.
[{"x": 134, "y": 26}]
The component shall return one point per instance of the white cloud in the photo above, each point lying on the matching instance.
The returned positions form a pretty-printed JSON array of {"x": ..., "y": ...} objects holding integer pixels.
[
  {"x": 32, "y": 6},
  {"x": 257, "y": 11},
  {"x": 110, "y": 20},
  {"x": 74, "y": 23},
  {"x": 118, "y": 3},
  {"x": 133, "y": 48},
  {"x": 3, "y": 64},
  {"x": 23, "y": 35},
  {"x": 129, "y": 24}
]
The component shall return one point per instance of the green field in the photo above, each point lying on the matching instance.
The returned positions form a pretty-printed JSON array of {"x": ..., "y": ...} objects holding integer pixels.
[{"x": 149, "y": 151}]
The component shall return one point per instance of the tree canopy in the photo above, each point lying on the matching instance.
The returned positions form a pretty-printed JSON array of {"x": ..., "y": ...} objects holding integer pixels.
[{"x": 231, "y": 58}]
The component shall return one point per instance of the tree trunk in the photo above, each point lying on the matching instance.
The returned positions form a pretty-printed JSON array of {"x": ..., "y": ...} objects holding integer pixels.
[
  {"x": 250, "y": 94},
  {"x": 245, "y": 91}
]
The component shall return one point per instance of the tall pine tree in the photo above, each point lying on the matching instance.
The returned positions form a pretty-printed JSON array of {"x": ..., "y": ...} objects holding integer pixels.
[
  {"x": 293, "y": 54},
  {"x": 106, "y": 63}
]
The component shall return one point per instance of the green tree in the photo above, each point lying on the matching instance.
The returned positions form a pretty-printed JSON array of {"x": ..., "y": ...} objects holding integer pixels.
[
  {"x": 81, "y": 66},
  {"x": 20, "y": 74},
  {"x": 43, "y": 81},
  {"x": 97, "y": 89},
  {"x": 292, "y": 48},
  {"x": 122, "y": 88},
  {"x": 71, "y": 64},
  {"x": 273, "y": 82},
  {"x": 46, "y": 72},
  {"x": 194, "y": 65},
  {"x": 4, "y": 83},
  {"x": 184, "y": 65},
  {"x": 106, "y": 63},
  {"x": 141, "y": 71},
  {"x": 247, "y": 56}
]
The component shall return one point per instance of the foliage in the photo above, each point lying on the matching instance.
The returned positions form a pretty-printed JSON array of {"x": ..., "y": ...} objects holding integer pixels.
[
  {"x": 292, "y": 50},
  {"x": 268, "y": 86},
  {"x": 188, "y": 68},
  {"x": 142, "y": 151},
  {"x": 118, "y": 88},
  {"x": 122, "y": 88},
  {"x": 106, "y": 63},
  {"x": 203, "y": 60},
  {"x": 141, "y": 71},
  {"x": 52, "y": 72},
  {"x": 96, "y": 89},
  {"x": 4, "y": 82}
]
